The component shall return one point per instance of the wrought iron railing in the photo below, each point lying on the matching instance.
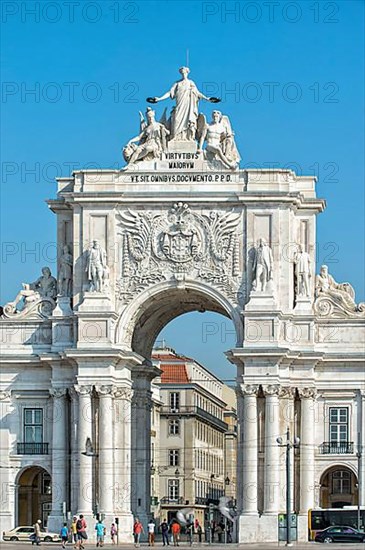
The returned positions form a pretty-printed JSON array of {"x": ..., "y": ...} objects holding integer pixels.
[
  {"x": 32, "y": 448},
  {"x": 195, "y": 411},
  {"x": 336, "y": 447}
]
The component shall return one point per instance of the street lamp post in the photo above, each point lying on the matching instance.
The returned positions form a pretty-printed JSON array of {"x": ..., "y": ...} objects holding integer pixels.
[
  {"x": 289, "y": 445},
  {"x": 359, "y": 478},
  {"x": 226, "y": 483}
]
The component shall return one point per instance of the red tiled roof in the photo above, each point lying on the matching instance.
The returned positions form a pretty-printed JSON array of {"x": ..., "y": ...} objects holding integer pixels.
[{"x": 173, "y": 374}]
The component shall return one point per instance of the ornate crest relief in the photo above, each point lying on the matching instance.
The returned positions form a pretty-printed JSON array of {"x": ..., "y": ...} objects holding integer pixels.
[{"x": 178, "y": 243}]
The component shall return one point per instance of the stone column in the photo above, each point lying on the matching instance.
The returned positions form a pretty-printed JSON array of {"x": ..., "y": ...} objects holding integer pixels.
[
  {"x": 8, "y": 512},
  {"x": 141, "y": 441},
  {"x": 106, "y": 452},
  {"x": 272, "y": 450},
  {"x": 123, "y": 467},
  {"x": 286, "y": 395},
  {"x": 248, "y": 427},
  {"x": 86, "y": 463},
  {"x": 362, "y": 443},
  {"x": 307, "y": 442},
  {"x": 59, "y": 458}
]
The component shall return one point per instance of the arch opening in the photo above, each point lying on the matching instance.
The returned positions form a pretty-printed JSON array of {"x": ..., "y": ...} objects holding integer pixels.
[
  {"x": 34, "y": 496},
  {"x": 150, "y": 313},
  {"x": 338, "y": 487}
]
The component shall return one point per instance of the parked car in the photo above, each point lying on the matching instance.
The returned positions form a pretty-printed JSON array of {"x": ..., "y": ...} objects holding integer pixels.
[
  {"x": 24, "y": 533},
  {"x": 340, "y": 533}
]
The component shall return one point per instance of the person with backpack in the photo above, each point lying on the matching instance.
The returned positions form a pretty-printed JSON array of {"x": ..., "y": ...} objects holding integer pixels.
[
  {"x": 165, "y": 532},
  {"x": 137, "y": 530},
  {"x": 81, "y": 531},
  {"x": 64, "y": 535}
]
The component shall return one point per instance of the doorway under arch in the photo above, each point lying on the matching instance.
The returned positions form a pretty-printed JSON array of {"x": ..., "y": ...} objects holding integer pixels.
[
  {"x": 34, "y": 496},
  {"x": 338, "y": 487}
]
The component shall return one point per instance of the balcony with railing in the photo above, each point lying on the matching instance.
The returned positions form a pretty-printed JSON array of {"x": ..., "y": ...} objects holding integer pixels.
[
  {"x": 173, "y": 501},
  {"x": 336, "y": 448},
  {"x": 32, "y": 448},
  {"x": 195, "y": 411}
]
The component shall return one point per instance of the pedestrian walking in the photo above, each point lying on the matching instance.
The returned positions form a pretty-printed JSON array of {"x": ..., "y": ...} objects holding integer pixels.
[
  {"x": 137, "y": 530},
  {"x": 100, "y": 533},
  {"x": 165, "y": 533},
  {"x": 175, "y": 530},
  {"x": 64, "y": 535},
  {"x": 113, "y": 533},
  {"x": 81, "y": 527},
  {"x": 199, "y": 531},
  {"x": 36, "y": 539},
  {"x": 151, "y": 533},
  {"x": 74, "y": 531},
  {"x": 190, "y": 533}
]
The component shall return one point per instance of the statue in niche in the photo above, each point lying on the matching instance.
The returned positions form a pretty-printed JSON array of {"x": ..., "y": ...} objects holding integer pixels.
[
  {"x": 302, "y": 271},
  {"x": 44, "y": 287},
  {"x": 219, "y": 139},
  {"x": 184, "y": 116},
  {"x": 65, "y": 273},
  {"x": 151, "y": 140},
  {"x": 342, "y": 295},
  {"x": 262, "y": 266},
  {"x": 96, "y": 267}
]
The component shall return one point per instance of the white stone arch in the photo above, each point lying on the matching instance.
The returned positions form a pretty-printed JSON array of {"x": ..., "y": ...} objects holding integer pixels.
[
  {"x": 19, "y": 510},
  {"x": 142, "y": 320},
  {"x": 327, "y": 470}
]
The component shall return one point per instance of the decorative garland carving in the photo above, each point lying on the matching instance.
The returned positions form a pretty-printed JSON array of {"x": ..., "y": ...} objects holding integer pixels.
[{"x": 180, "y": 242}]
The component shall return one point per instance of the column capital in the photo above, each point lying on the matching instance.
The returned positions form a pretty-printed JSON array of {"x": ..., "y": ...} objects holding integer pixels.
[
  {"x": 307, "y": 393},
  {"x": 57, "y": 393},
  {"x": 249, "y": 389},
  {"x": 271, "y": 390},
  {"x": 287, "y": 391},
  {"x": 83, "y": 390},
  {"x": 142, "y": 399},
  {"x": 105, "y": 390},
  {"x": 121, "y": 392}
]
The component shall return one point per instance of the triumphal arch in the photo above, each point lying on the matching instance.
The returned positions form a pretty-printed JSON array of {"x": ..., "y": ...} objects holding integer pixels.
[{"x": 181, "y": 228}]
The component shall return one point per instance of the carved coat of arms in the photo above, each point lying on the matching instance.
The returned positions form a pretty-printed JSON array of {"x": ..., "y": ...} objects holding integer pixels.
[{"x": 160, "y": 246}]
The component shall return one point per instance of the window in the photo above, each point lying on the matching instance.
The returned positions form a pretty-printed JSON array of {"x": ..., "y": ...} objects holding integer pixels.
[
  {"x": 338, "y": 425},
  {"x": 173, "y": 485},
  {"x": 174, "y": 427},
  {"x": 33, "y": 425},
  {"x": 174, "y": 457},
  {"x": 341, "y": 482},
  {"x": 174, "y": 401},
  {"x": 46, "y": 484}
]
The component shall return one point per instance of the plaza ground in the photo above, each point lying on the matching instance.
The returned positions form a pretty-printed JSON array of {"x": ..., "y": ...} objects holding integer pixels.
[{"x": 183, "y": 544}]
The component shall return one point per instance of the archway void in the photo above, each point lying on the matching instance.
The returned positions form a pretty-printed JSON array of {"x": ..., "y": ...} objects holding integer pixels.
[{"x": 157, "y": 310}]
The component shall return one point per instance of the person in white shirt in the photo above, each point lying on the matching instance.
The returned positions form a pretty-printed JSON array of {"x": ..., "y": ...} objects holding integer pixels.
[{"x": 151, "y": 533}]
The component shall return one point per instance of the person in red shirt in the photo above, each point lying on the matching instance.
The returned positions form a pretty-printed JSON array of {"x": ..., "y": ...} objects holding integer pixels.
[
  {"x": 175, "y": 530},
  {"x": 137, "y": 530}
]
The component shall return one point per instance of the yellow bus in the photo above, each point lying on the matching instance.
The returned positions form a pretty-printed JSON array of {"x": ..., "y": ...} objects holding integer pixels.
[{"x": 321, "y": 518}]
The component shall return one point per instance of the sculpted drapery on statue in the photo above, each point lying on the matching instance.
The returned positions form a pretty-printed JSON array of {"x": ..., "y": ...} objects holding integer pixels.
[
  {"x": 152, "y": 140},
  {"x": 184, "y": 116},
  {"x": 96, "y": 267},
  {"x": 219, "y": 139},
  {"x": 335, "y": 298},
  {"x": 41, "y": 293},
  {"x": 262, "y": 266}
]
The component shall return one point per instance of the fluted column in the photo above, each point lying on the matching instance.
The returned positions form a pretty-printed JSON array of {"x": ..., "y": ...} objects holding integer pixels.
[
  {"x": 272, "y": 450},
  {"x": 86, "y": 463},
  {"x": 59, "y": 457},
  {"x": 141, "y": 441},
  {"x": 248, "y": 426},
  {"x": 122, "y": 400},
  {"x": 307, "y": 441},
  {"x": 362, "y": 443},
  {"x": 106, "y": 450},
  {"x": 286, "y": 395}
]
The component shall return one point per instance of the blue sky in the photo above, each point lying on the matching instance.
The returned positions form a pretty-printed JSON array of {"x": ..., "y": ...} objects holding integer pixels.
[{"x": 295, "y": 72}]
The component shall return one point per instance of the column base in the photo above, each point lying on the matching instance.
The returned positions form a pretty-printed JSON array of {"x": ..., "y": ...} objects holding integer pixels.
[
  {"x": 125, "y": 527},
  {"x": 303, "y": 527},
  {"x": 253, "y": 528},
  {"x": 55, "y": 522}
]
